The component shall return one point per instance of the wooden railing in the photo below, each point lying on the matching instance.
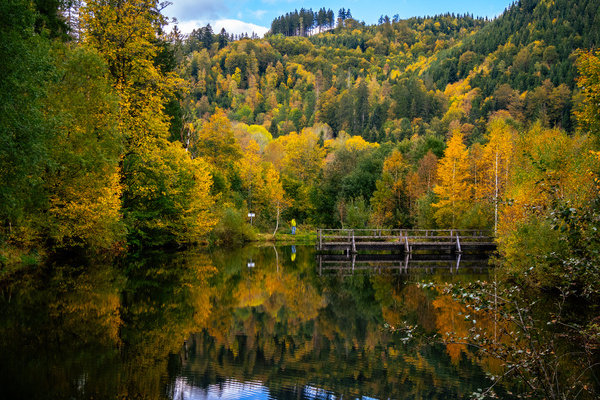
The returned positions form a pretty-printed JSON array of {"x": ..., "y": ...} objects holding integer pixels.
[{"x": 406, "y": 240}]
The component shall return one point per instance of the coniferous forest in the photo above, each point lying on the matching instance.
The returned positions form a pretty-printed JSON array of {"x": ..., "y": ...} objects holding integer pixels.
[{"x": 118, "y": 132}]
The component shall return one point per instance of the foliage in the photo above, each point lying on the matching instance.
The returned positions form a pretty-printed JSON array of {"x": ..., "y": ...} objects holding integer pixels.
[
  {"x": 289, "y": 127},
  {"x": 23, "y": 128},
  {"x": 168, "y": 196},
  {"x": 83, "y": 182},
  {"x": 452, "y": 189},
  {"x": 515, "y": 328},
  {"x": 551, "y": 189},
  {"x": 232, "y": 228},
  {"x": 589, "y": 82},
  {"x": 391, "y": 200}
]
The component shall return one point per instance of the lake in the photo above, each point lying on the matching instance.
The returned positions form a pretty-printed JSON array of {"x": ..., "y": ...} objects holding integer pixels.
[{"x": 254, "y": 323}]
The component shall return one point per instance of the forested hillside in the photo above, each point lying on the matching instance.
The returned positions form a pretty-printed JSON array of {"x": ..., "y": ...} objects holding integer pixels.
[{"x": 118, "y": 134}]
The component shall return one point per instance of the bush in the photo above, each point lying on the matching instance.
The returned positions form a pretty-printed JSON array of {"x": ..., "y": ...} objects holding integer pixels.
[
  {"x": 233, "y": 229},
  {"x": 358, "y": 214}
]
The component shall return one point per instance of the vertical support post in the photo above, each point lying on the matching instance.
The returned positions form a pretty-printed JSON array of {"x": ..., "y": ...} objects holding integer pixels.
[
  {"x": 353, "y": 243},
  {"x": 320, "y": 239},
  {"x": 349, "y": 241},
  {"x": 458, "y": 244},
  {"x": 320, "y": 265}
]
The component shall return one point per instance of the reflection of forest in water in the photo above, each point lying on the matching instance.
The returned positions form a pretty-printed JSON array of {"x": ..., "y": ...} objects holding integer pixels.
[{"x": 194, "y": 325}]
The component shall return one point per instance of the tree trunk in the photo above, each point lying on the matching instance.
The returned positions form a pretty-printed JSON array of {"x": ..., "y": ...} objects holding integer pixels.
[{"x": 277, "y": 225}]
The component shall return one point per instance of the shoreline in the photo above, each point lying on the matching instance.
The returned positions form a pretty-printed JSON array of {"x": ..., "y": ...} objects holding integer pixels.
[{"x": 307, "y": 238}]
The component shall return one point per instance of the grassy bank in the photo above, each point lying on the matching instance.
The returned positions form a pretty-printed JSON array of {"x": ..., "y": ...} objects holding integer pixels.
[{"x": 300, "y": 238}]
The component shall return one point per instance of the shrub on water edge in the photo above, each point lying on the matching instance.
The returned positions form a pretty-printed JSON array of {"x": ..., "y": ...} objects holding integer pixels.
[
  {"x": 232, "y": 228},
  {"x": 528, "y": 252}
]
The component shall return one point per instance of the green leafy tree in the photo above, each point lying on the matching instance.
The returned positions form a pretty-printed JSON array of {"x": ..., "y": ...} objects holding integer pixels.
[
  {"x": 24, "y": 134},
  {"x": 83, "y": 183}
]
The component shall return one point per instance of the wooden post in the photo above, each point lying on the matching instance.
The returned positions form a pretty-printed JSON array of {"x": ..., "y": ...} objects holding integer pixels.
[
  {"x": 353, "y": 244},
  {"x": 349, "y": 240},
  {"x": 320, "y": 240},
  {"x": 458, "y": 244},
  {"x": 320, "y": 265}
]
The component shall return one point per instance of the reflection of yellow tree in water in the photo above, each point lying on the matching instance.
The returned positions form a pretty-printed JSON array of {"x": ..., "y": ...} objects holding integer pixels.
[
  {"x": 271, "y": 319},
  {"x": 261, "y": 303},
  {"x": 277, "y": 324},
  {"x": 450, "y": 318},
  {"x": 168, "y": 299},
  {"x": 90, "y": 307},
  {"x": 109, "y": 332}
]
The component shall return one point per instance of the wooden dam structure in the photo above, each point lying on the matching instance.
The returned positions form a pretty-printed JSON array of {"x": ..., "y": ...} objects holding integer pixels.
[{"x": 407, "y": 241}]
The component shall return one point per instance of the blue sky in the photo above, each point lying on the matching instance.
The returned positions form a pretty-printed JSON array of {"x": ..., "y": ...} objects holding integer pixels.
[{"x": 256, "y": 16}]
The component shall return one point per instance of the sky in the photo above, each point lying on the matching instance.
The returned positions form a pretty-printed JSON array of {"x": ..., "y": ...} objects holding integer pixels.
[{"x": 245, "y": 16}]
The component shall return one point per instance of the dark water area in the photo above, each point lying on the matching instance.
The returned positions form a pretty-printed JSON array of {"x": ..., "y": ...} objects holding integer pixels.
[{"x": 254, "y": 323}]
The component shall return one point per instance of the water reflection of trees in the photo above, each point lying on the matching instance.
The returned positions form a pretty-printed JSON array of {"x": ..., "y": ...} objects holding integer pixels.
[
  {"x": 118, "y": 332},
  {"x": 288, "y": 328},
  {"x": 77, "y": 330}
]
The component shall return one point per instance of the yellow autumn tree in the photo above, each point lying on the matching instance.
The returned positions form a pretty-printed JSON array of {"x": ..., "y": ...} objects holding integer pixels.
[
  {"x": 216, "y": 142},
  {"x": 496, "y": 164},
  {"x": 250, "y": 171},
  {"x": 169, "y": 196},
  {"x": 454, "y": 198},
  {"x": 588, "y": 117},
  {"x": 302, "y": 160},
  {"x": 303, "y": 155},
  {"x": 273, "y": 194},
  {"x": 125, "y": 34},
  {"x": 390, "y": 201},
  {"x": 548, "y": 166},
  {"x": 83, "y": 187}
]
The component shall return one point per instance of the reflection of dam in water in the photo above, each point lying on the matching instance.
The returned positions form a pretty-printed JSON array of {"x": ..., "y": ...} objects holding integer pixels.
[{"x": 401, "y": 264}]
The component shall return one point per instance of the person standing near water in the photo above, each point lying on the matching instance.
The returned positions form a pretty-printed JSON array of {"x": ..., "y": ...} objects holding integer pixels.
[{"x": 293, "y": 223}]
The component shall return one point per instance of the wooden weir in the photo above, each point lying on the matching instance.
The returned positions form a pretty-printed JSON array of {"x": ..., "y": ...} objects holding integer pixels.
[{"x": 454, "y": 241}]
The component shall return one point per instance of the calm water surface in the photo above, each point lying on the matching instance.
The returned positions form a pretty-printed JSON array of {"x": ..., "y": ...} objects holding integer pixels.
[{"x": 255, "y": 323}]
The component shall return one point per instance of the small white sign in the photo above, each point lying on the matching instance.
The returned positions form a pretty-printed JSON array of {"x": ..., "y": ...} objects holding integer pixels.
[
  {"x": 251, "y": 215},
  {"x": 251, "y": 265}
]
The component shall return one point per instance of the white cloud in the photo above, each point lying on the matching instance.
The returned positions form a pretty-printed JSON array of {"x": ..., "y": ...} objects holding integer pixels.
[{"x": 231, "y": 26}]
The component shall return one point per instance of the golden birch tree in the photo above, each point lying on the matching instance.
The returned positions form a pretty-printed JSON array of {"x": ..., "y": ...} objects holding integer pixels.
[{"x": 497, "y": 158}]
